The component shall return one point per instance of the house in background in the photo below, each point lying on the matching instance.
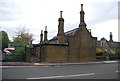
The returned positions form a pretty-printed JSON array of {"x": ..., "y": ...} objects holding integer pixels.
[
  {"x": 72, "y": 46},
  {"x": 104, "y": 46}
]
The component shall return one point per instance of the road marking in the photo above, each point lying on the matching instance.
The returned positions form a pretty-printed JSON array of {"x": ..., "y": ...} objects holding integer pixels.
[
  {"x": 117, "y": 71},
  {"x": 62, "y": 76},
  {"x": 19, "y": 66},
  {"x": 110, "y": 61},
  {"x": 14, "y": 66}
]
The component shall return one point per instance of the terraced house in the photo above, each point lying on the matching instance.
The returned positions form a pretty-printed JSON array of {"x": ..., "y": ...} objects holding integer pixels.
[{"x": 72, "y": 46}]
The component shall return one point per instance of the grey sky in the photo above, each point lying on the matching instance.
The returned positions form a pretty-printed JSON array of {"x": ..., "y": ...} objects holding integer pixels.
[
  {"x": 100, "y": 15},
  {"x": 119, "y": 21}
]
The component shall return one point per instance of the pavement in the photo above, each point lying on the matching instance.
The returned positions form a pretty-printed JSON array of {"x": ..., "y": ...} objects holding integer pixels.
[{"x": 55, "y": 64}]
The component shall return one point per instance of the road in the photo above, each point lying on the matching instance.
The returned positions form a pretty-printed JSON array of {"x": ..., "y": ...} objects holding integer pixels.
[{"x": 93, "y": 71}]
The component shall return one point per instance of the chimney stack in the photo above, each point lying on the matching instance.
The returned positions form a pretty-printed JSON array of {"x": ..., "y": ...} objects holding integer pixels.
[
  {"x": 45, "y": 34},
  {"x": 111, "y": 37},
  {"x": 41, "y": 36},
  {"x": 82, "y": 22},
  {"x": 60, "y": 34}
]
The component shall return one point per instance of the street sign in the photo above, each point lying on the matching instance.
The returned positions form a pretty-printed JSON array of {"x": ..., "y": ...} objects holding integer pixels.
[{"x": 6, "y": 50}]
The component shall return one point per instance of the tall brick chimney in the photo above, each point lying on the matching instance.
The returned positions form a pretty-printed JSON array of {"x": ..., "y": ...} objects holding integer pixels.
[
  {"x": 82, "y": 22},
  {"x": 111, "y": 37},
  {"x": 45, "y": 34},
  {"x": 61, "y": 38},
  {"x": 41, "y": 36}
]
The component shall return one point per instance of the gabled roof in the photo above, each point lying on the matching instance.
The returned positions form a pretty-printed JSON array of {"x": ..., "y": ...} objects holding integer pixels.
[
  {"x": 102, "y": 41},
  {"x": 111, "y": 44}
]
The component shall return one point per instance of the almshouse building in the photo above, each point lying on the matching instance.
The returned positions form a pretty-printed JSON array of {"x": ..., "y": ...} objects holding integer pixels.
[{"x": 72, "y": 46}]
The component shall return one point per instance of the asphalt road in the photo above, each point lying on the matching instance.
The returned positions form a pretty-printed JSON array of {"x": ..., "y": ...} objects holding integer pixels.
[{"x": 93, "y": 71}]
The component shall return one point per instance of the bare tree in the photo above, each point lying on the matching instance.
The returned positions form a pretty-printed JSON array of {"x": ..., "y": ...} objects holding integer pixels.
[{"x": 23, "y": 35}]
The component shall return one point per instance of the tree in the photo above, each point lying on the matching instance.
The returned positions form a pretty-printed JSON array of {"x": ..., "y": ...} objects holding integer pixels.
[
  {"x": 5, "y": 40},
  {"x": 0, "y": 45},
  {"x": 22, "y": 38}
]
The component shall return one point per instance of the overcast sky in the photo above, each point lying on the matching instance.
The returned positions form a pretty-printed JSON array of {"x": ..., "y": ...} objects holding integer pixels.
[{"x": 101, "y": 16}]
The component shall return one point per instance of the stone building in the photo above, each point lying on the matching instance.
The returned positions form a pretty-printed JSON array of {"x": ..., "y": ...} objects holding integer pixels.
[
  {"x": 72, "y": 46},
  {"x": 110, "y": 46}
]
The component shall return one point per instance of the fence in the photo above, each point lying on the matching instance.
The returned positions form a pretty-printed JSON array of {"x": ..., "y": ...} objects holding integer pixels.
[
  {"x": 19, "y": 55},
  {"x": 13, "y": 58}
]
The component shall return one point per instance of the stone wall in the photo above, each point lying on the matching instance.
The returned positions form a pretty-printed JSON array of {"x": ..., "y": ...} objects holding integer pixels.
[
  {"x": 54, "y": 53},
  {"x": 82, "y": 46}
]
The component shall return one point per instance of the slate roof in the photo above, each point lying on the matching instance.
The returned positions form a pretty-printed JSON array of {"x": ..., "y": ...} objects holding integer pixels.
[
  {"x": 71, "y": 32},
  {"x": 114, "y": 44},
  {"x": 68, "y": 33}
]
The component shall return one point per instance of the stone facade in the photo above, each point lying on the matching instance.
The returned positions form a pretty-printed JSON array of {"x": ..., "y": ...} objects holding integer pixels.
[
  {"x": 72, "y": 46},
  {"x": 54, "y": 53},
  {"x": 82, "y": 45}
]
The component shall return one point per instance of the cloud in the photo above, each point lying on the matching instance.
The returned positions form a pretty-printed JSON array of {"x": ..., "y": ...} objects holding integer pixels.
[
  {"x": 36, "y": 14},
  {"x": 9, "y": 10},
  {"x": 103, "y": 29},
  {"x": 101, "y": 12},
  {"x": 119, "y": 21}
]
